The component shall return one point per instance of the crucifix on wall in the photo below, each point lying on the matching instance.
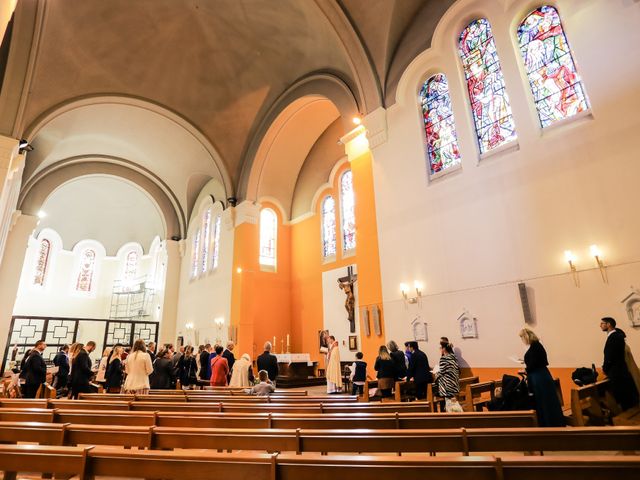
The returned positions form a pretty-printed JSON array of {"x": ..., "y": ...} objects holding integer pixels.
[{"x": 346, "y": 284}]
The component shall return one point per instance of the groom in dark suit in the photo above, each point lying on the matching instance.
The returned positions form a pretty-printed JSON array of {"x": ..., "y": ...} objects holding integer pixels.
[{"x": 615, "y": 366}]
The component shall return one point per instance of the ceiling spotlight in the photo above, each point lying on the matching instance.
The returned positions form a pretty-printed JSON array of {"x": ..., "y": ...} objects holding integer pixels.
[
  {"x": 42, "y": 214},
  {"x": 356, "y": 120},
  {"x": 24, "y": 146}
]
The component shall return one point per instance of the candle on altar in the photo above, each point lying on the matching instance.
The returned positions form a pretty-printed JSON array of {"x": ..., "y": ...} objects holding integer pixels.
[
  {"x": 275, "y": 345},
  {"x": 288, "y": 340}
]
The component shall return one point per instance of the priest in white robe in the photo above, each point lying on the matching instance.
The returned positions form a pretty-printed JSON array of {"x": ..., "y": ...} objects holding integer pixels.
[{"x": 334, "y": 372}]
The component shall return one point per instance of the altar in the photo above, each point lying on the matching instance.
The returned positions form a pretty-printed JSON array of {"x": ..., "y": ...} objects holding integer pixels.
[{"x": 297, "y": 370}]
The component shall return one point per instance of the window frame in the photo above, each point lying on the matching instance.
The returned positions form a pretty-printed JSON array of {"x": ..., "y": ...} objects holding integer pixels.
[{"x": 268, "y": 267}]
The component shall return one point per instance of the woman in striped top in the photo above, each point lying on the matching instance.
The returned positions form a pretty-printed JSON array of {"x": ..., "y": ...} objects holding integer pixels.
[{"x": 448, "y": 376}]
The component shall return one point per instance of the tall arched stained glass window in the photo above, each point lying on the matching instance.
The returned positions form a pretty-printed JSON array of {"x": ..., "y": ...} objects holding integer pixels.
[
  {"x": 328, "y": 227},
  {"x": 555, "y": 84},
  {"x": 206, "y": 240},
  {"x": 268, "y": 237},
  {"x": 194, "y": 254},
  {"x": 42, "y": 262},
  {"x": 439, "y": 125},
  {"x": 348, "y": 211},
  {"x": 485, "y": 83},
  {"x": 87, "y": 269},
  {"x": 216, "y": 242},
  {"x": 131, "y": 266}
]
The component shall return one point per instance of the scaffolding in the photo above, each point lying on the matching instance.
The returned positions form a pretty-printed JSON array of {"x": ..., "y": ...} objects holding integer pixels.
[{"x": 131, "y": 299}]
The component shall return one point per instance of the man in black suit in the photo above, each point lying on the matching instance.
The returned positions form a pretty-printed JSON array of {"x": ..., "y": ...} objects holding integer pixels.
[
  {"x": 151, "y": 350},
  {"x": 61, "y": 360},
  {"x": 205, "y": 373},
  {"x": 268, "y": 362},
  {"x": 35, "y": 370},
  {"x": 228, "y": 354},
  {"x": 419, "y": 370},
  {"x": 615, "y": 366}
]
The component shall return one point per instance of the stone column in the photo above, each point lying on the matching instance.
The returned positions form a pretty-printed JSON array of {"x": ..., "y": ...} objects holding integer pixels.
[
  {"x": 11, "y": 167},
  {"x": 169, "y": 320},
  {"x": 11, "y": 269}
]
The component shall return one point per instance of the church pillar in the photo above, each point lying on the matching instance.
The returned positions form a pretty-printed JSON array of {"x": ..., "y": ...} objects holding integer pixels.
[
  {"x": 357, "y": 147},
  {"x": 11, "y": 167},
  {"x": 245, "y": 267},
  {"x": 168, "y": 325},
  {"x": 11, "y": 268}
]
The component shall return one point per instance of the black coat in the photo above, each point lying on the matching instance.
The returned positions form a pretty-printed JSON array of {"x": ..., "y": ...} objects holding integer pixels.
[
  {"x": 231, "y": 359},
  {"x": 114, "y": 374},
  {"x": 36, "y": 369},
  {"x": 615, "y": 367},
  {"x": 81, "y": 372},
  {"x": 187, "y": 368},
  {"x": 205, "y": 374},
  {"x": 419, "y": 368},
  {"x": 268, "y": 362},
  {"x": 163, "y": 374},
  {"x": 399, "y": 364},
  {"x": 61, "y": 360},
  {"x": 536, "y": 357},
  {"x": 385, "y": 368}
]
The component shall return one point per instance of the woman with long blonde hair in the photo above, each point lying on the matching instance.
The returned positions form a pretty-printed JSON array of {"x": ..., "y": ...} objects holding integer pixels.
[{"x": 138, "y": 368}]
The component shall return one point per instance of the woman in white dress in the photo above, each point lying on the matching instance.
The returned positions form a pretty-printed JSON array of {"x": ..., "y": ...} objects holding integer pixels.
[
  {"x": 138, "y": 367},
  {"x": 102, "y": 368}
]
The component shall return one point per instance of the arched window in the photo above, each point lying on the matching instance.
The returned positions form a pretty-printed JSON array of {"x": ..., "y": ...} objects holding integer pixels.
[
  {"x": 555, "y": 84},
  {"x": 347, "y": 209},
  {"x": 131, "y": 266},
  {"x": 216, "y": 242},
  {"x": 268, "y": 237},
  {"x": 487, "y": 92},
  {"x": 194, "y": 254},
  {"x": 439, "y": 125},
  {"x": 42, "y": 262},
  {"x": 87, "y": 269},
  {"x": 206, "y": 240},
  {"x": 328, "y": 227}
]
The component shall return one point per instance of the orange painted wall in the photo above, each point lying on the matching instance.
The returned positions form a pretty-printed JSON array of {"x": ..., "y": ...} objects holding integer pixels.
[
  {"x": 260, "y": 299},
  {"x": 307, "y": 265}
]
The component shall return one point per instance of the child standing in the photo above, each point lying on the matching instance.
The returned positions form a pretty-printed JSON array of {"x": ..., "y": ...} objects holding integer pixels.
[{"x": 358, "y": 375}]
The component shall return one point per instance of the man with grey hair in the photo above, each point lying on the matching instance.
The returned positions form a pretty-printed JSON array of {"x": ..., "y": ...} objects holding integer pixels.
[{"x": 268, "y": 362}]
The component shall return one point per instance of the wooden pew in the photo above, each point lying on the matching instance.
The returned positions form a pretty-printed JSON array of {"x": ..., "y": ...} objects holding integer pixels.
[
  {"x": 219, "y": 398},
  {"x": 46, "y": 391},
  {"x": 108, "y": 462},
  {"x": 26, "y": 415},
  {"x": 105, "y": 417},
  {"x": 465, "y": 441},
  {"x": 475, "y": 400},
  {"x": 437, "y": 402},
  {"x": 593, "y": 404}
]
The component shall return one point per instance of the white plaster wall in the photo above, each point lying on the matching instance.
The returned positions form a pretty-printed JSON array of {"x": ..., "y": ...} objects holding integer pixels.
[
  {"x": 58, "y": 298},
  {"x": 470, "y": 236},
  {"x": 208, "y": 296},
  {"x": 334, "y": 313}
]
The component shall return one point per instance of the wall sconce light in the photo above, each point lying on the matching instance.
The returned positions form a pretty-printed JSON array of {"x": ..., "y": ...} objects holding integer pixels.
[
  {"x": 188, "y": 326},
  {"x": 597, "y": 254},
  {"x": 404, "y": 288},
  {"x": 571, "y": 260}
]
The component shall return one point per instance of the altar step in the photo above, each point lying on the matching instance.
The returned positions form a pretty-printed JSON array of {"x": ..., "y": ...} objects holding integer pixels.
[{"x": 296, "y": 382}]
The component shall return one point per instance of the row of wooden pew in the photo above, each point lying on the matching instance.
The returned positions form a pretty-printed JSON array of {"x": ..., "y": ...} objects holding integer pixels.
[
  {"x": 90, "y": 462},
  {"x": 299, "y": 440},
  {"x": 230, "y": 399},
  {"x": 396, "y": 420}
]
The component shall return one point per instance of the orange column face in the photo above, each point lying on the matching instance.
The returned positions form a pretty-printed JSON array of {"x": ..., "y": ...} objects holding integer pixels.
[{"x": 261, "y": 299}]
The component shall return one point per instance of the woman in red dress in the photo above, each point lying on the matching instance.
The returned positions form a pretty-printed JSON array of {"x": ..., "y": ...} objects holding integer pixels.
[{"x": 219, "y": 369}]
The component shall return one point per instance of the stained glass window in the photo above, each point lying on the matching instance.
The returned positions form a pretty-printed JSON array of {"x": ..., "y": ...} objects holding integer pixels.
[
  {"x": 131, "y": 266},
  {"x": 556, "y": 86},
  {"x": 487, "y": 92},
  {"x": 439, "y": 125},
  {"x": 347, "y": 203},
  {"x": 328, "y": 227},
  {"x": 194, "y": 254},
  {"x": 206, "y": 241},
  {"x": 216, "y": 242},
  {"x": 43, "y": 262},
  {"x": 87, "y": 268},
  {"x": 268, "y": 237}
]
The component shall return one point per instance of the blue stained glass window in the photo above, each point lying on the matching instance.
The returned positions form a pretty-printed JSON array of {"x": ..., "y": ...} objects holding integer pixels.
[
  {"x": 328, "y": 227},
  {"x": 268, "y": 237},
  {"x": 439, "y": 125},
  {"x": 194, "y": 254},
  {"x": 216, "y": 242},
  {"x": 555, "y": 84},
  {"x": 206, "y": 240},
  {"x": 485, "y": 83}
]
